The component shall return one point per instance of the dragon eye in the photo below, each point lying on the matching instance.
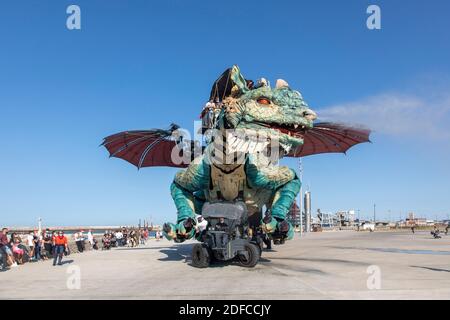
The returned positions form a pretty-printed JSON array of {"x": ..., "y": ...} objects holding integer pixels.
[{"x": 263, "y": 101}]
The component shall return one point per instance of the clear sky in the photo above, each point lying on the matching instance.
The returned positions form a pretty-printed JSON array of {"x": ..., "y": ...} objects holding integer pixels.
[{"x": 144, "y": 64}]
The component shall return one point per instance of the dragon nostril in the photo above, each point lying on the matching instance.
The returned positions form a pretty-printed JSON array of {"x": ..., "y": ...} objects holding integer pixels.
[{"x": 309, "y": 114}]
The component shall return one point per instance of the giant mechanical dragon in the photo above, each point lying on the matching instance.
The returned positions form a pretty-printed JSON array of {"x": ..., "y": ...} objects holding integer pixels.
[{"x": 250, "y": 128}]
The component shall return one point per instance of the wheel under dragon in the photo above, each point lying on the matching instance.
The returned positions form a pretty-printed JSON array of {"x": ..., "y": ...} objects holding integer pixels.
[{"x": 252, "y": 127}]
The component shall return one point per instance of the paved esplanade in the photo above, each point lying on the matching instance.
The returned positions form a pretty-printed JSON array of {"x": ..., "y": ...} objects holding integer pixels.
[{"x": 325, "y": 265}]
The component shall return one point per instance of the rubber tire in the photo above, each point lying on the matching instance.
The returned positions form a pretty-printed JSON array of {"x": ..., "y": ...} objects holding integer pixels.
[
  {"x": 253, "y": 256},
  {"x": 200, "y": 256}
]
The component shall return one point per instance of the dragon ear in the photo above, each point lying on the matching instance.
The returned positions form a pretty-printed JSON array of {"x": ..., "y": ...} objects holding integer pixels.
[
  {"x": 281, "y": 84},
  {"x": 230, "y": 82}
]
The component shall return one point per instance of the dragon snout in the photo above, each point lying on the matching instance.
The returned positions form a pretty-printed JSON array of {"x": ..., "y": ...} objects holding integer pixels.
[{"x": 309, "y": 115}]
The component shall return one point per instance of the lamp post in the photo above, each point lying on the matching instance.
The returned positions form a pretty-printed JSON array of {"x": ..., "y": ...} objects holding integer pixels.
[
  {"x": 374, "y": 214},
  {"x": 39, "y": 225},
  {"x": 300, "y": 169}
]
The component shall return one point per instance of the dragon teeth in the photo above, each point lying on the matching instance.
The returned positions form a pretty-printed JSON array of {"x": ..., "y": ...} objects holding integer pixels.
[
  {"x": 245, "y": 146},
  {"x": 252, "y": 146}
]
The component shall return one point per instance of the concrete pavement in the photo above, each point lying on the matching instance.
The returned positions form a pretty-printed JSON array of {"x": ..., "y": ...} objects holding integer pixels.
[{"x": 328, "y": 265}]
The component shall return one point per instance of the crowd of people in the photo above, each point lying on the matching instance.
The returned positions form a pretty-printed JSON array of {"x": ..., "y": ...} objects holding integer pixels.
[
  {"x": 127, "y": 237},
  {"x": 17, "y": 249},
  {"x": 32, "y": 247}
]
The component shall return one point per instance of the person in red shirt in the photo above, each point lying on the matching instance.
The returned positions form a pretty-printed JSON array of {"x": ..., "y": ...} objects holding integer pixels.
[{"x": 59, "y": 245}]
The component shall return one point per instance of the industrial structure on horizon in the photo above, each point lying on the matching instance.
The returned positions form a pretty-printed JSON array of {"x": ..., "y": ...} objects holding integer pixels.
[{"x": 304, "y": 221}]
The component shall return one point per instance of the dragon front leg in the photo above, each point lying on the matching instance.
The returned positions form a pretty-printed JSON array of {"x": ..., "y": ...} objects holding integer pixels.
[
  {"x": 285, "y": 185},
  {"x": 275, "y": 219},
  {"x": 184, "y": 228},
  {"x": 185, "y": 190}
]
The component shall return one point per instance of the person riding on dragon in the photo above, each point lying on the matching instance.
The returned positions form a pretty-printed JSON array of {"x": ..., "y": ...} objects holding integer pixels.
[{"x": 254, "y": 128}]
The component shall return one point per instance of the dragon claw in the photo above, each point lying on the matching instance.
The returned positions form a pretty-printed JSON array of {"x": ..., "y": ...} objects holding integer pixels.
[
  {"x": 269, "y": 226},
  {"x": 169, "y": 231},
  {"x": 179, "y": 232},
  {"x": 283, "y": 226},
  {"x": 279, "y": 230}
]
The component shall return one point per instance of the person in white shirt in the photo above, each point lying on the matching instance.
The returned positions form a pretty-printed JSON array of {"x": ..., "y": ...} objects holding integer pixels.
[
  {"x": 119, "y": 238},
  {"x": 79, "y": 240},
  {"x": 30, "y": 240},
  {"x": 201, "y": 225},
  {"x": 90, "y": 237},
  {"x": 30, "y": 244}
]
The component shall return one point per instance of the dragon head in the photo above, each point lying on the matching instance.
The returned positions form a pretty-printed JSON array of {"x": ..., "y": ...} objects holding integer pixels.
[{"x": 280, "y": 112}]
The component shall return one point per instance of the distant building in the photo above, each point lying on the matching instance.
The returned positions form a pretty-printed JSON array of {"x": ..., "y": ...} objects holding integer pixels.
[
  {"x": 345, "y": 218},
  {"x": 413, "y": 221},
  {"x": 326, "y": 220}
]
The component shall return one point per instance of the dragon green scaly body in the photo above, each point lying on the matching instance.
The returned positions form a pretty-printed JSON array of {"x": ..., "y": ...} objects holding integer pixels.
[{"x": 240, "y": 165}]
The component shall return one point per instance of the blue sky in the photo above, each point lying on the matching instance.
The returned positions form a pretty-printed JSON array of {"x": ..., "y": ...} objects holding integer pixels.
[{"x": 144, "y": 64}]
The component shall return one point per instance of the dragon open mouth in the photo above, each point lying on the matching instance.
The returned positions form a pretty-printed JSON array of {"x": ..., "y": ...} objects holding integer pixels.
[{"x": 292, "y": 130}]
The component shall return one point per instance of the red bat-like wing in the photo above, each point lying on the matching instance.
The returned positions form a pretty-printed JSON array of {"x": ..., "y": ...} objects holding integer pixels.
[
  {"x": 145, "y": 148},
  {"x": 329, "y": 137}
]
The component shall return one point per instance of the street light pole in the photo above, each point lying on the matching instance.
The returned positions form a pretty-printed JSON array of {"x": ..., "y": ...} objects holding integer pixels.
[
  {"x": 374, "y": 213},
  {"x": 300, "y": 167}
]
